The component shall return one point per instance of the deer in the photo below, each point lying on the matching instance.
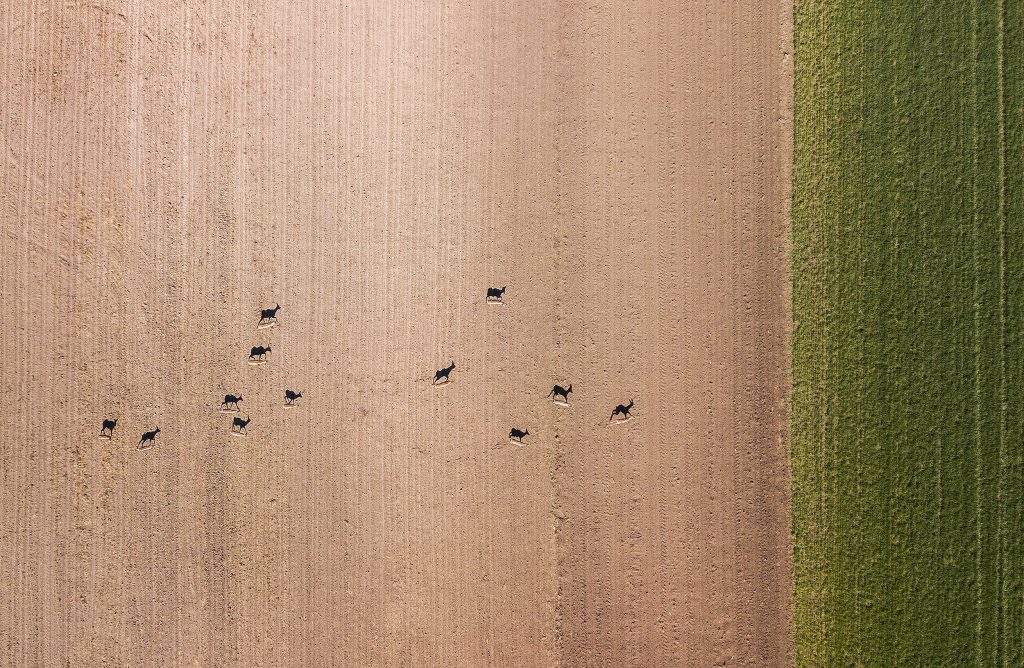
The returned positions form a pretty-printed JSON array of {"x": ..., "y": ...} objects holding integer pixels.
[
  {"x": 269, "y": 314},
  {"x": 443, "y": 373},
  {"x": 559, "y": 391},
  {"x": 622, "y": 410},
  {"x": 518, "y": 434},
  {"x": 238, "y": 425},
  {"x": 108, "y": 426},
  {"x": 259, "y": 352},
  {"x": 495, "y": 293},
  {"x": 148, "y": 437},
  {"x": 230, "y": 399},
  {"x": 291, "y": 397}
]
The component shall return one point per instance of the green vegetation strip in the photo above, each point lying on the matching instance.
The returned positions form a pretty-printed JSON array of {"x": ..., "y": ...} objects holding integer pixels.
[{"x": 908, "y": 356}]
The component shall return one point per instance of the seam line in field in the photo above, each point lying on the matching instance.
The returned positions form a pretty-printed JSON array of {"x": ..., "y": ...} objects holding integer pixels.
[
  {"x": 1000, "y": 480},
  {"x": 977, "y": 340}
]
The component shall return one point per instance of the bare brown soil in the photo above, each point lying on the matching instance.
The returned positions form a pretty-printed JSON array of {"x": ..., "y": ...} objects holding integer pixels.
[{"x": 168, "y": 168}]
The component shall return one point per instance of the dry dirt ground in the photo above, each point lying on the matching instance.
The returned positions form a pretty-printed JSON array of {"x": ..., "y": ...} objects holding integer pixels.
[{"x": 170, "y": 167}]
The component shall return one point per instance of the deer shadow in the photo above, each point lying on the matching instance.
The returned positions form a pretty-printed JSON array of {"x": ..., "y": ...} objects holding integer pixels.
[
  {"x": 148, "y": 439},
  {"x": 229, "y": 401},
  {"x": 238, "y": 425},
  {"x": 258, "y": 353},
  {"x": 268, "y": 316},
  {"x": 622, "y": 410},
  {"x": 559, "y": 391},
  {"x": 443, "y": 374},
  {"x": 495, "y": 295},
  {"x": 107, "y": 428}
]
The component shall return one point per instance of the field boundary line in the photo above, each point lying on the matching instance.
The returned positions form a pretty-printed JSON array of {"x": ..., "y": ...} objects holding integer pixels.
[
  {"x": 1001, "y": 612},
  {"x": 977, "y": 337}
]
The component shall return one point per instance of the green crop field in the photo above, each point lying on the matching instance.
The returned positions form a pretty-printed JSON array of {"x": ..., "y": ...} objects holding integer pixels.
[{"x": 908, "y": 297}]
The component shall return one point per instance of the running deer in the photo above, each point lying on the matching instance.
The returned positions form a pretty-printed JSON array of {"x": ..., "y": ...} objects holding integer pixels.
[
  {"x": 290, "y": 397},
  {"x": 622, "y": 410},
  {"x": 229, "y": 400},
  {"x": 259, "y": 352},
  {"x": 443, "y": 373},
  {"x": 559, "y": 391},
  {"x": 238, "y": 425},
  {"x": 495, "y": 293},
  {"x": 518, "y": 434},
  {"x": 108, "y": 426},
  {"x": 148, "y": 437},
  {"x": 269, "y": 313}
]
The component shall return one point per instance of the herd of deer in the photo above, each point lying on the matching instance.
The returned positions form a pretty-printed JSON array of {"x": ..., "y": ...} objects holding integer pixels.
[
  {"x": 558, "y": 394},
  {"x": 258, "y": 355}
]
